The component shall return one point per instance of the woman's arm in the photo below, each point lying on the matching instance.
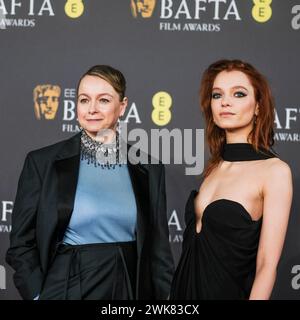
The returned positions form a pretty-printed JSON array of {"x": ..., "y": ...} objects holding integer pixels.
[
  {"x": 277, "y": 192},
  {"x": 22, "y": 254}
]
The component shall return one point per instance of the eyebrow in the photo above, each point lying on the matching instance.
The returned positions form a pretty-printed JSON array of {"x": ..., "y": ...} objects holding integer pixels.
[
  {"x": 99, "y": 95},
  {"x": 235, "y": 87}
]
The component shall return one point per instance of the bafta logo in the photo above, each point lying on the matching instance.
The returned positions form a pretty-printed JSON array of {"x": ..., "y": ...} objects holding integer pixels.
[
  {"x": 142, "y": 8},
  {"x": 46, "y": 101}
]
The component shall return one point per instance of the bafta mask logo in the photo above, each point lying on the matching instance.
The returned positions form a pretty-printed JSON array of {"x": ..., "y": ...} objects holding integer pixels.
[
  {"x": 142, "y": 8},
  {"x": 46, "y": 101}
]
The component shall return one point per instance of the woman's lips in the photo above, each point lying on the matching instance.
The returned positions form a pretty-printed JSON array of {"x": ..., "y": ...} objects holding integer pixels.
[{"x": 225, "y": 114}]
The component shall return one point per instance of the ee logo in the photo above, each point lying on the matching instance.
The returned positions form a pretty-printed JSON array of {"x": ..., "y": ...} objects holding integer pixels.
[
  {"x": 262, "y": 11},
  {"x": 74, "y": 8},
  {"x": 162, "y": 102}
]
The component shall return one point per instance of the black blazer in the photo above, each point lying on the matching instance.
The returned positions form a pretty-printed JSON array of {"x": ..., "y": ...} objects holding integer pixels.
[{"x": 43, "y": 207}]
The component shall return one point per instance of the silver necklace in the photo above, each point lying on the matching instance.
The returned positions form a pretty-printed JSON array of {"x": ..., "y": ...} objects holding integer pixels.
[{"x": 105, "y": 155}]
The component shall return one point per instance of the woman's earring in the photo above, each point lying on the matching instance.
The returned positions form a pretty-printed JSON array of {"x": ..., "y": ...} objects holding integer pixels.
[
  {"x": 255, "y": 119},
  {"x": 119, "y": 125}
]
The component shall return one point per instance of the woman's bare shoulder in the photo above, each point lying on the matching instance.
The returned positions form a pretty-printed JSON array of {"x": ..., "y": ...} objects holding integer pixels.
[
  {"x": 277, "y": 172},
  {"x": 277, "y": 166}
]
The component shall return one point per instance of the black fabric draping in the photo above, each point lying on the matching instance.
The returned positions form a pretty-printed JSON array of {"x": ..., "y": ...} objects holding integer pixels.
[{"x": 102, "y": 271}]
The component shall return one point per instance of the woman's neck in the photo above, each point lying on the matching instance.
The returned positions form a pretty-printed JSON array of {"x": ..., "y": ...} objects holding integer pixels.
[
  {"x": 104, "y": 136},
  {"x": 237, "y": 137}
]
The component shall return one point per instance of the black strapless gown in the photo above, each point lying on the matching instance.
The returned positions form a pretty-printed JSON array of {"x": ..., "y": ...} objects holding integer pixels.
[{"x": 220, "y": 261}]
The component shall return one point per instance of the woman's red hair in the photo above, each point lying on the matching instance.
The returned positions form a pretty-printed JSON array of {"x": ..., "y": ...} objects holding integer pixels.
[{"x": 262, "y": 135}]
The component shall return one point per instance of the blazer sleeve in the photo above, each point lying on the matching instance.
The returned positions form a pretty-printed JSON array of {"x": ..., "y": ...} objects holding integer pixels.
[
  {"x": 162, "y": 259},
  {"x": 22, "y": 254}
]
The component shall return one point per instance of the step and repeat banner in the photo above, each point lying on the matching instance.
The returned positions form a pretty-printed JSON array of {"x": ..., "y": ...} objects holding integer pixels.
[{"x": 162, "y": 47}]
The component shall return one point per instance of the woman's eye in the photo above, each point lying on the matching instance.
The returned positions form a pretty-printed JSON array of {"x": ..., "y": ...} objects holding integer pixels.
[
  {"x": 104, "y": 100},
  {"x": 83, "y": 101},
  {"x": 239, "y": 94},
  {"x": 216, "y": 95}
]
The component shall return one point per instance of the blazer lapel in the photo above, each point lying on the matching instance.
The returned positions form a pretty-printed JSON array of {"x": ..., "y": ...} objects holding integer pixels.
[
  {"x": 140, "y": 182},
  {"x": 139, "y": 176},
  {"x": 139, "y": 179},
  {"x": 67, "y": 168}
]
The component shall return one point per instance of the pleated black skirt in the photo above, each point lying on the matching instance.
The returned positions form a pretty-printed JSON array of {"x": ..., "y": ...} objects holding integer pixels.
[{"x": 105, "y": 271}]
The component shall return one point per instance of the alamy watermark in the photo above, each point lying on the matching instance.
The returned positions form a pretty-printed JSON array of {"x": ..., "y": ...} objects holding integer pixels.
[
  {"x": 296, "y": 279},
  {"x": 176, "y": 146},
  {"x": 2, "y": 278}
]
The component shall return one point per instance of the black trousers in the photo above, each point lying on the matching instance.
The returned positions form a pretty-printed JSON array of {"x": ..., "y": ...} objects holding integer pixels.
[{"x": 104, "y": 271}]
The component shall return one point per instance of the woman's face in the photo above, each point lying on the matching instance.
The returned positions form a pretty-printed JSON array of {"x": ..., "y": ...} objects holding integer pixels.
[
  {"x": 98, "y": 105},
  {"x": 233, "y": 101}
]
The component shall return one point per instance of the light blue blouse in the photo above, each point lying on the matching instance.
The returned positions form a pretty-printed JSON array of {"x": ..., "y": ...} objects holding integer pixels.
[{"x": 104, "y": 207}]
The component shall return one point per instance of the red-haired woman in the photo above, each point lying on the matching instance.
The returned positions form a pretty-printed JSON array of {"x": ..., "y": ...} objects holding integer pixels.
[{"x": 236, "y": 223}]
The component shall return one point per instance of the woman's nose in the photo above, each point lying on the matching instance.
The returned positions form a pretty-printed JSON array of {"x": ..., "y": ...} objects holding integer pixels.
[
  {"x": 92, "y": 107},
  {"x": 225, "y": 101}
]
